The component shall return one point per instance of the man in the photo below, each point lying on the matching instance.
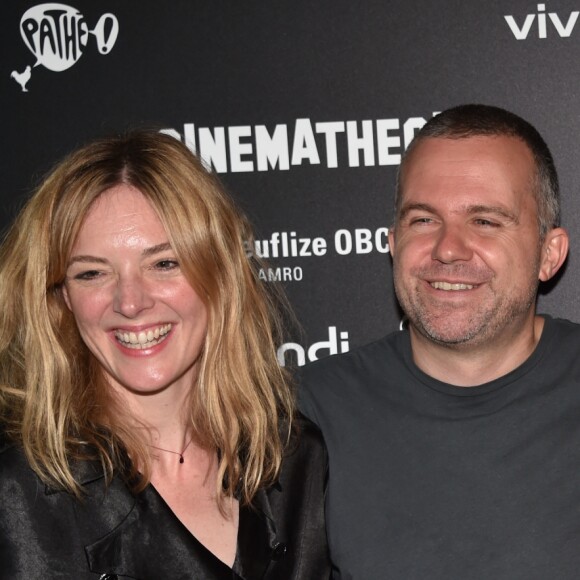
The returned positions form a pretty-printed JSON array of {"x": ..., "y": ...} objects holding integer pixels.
[{"x": 454, "y": 446}]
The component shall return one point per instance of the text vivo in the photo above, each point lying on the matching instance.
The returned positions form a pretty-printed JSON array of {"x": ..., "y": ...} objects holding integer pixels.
[{"x": 542, "y": 19}]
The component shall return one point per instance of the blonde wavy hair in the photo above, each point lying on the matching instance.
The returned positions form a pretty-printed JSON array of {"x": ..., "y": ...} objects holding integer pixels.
[{"x": 54, "y": 399}]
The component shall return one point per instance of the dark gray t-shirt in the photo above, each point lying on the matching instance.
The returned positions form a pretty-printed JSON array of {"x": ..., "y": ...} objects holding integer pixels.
[{"x": 429, "y": 481}]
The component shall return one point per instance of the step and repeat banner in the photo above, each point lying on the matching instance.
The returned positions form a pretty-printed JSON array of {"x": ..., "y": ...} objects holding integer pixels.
[{"x": 303, "y": 109}]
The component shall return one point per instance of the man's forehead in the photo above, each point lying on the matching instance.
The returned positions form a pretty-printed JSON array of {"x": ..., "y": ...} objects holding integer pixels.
[
  {"x": 433, "y": 156},
  {"x": 483, "y": 169},
  {"x": 467, "y": 144}
]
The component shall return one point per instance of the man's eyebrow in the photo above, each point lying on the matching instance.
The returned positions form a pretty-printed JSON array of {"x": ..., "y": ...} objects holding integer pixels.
[
  {"x": 470, "y": 210},
  {"x": 416, "y": 207},
  {"x": 493, "y": 209},
  {"x": 148, "y": 252}
]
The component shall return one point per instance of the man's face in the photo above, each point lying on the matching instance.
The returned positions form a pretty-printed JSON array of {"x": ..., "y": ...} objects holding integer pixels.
[{"x": 466, "y": 247}]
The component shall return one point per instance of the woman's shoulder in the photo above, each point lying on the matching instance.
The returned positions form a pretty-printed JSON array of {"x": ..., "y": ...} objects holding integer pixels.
[
  {"x": 306, "y": 437},
  {"x": 20, "y": 487},
  {"x": 305, "y": 453},
  {"x": 13, "y": 460},
  {"x": 296, "y": 505},
  {"x": 21, "y": 484}
]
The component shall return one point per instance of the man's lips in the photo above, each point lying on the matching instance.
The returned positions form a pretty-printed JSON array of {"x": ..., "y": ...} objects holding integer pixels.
[
  {"x": 143, "y": 339},
  {"x": 452, "y": 286}
]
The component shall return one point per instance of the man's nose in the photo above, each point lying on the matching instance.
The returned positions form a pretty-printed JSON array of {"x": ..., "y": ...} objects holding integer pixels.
[{"x": 452, "y": 244}]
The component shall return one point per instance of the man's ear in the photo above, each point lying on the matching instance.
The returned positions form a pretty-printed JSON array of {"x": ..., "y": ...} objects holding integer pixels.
[
  {"x": 392, "y": 240},
  {"x": 554, "y": 252}
]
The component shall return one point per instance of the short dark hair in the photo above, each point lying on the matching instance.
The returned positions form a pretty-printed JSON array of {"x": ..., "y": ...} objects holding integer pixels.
[{"x": 484, "y": 120}]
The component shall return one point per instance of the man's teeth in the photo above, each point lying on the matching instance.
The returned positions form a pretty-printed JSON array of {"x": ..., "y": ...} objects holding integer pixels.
[
  {"x": 143, "y": 339},
  {"x": 448, "y": 286}
]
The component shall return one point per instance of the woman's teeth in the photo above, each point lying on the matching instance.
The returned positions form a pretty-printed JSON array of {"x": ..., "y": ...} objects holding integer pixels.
[{"x": 144, "y": 339}]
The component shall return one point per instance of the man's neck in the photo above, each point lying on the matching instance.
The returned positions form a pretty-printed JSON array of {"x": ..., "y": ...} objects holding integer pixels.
[{"x": 468, "y": 365}]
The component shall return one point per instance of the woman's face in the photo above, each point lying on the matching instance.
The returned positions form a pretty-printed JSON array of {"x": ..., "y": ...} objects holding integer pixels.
[{"x": 134, "y": 308}]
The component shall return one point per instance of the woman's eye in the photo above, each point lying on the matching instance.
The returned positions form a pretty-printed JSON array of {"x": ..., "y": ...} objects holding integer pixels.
[
  {"x": 166, "y": 265},
  {"x": 87, "y": 275}
]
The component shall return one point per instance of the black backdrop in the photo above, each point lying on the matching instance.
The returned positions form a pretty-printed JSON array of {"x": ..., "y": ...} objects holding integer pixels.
[{"x": 329, "y": 90}]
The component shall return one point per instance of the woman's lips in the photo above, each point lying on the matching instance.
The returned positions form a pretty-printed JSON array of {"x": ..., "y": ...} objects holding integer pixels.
[{"x": 143, "y": 339}]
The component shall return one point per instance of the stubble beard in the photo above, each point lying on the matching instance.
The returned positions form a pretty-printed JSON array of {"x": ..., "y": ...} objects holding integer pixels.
[{"x": 449, "y": 324}]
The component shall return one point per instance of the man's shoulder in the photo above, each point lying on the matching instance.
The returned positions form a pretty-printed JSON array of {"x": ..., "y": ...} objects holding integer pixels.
[
  {"x": 340, "y": 381},
  {"x": 560, "y": 337},
  {"x": 562, "y": 325},
  {"x": 364, "y": 359}
]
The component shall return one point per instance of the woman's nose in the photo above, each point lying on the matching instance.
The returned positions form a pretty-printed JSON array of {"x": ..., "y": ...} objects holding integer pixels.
[{"x": 131, "y": 297}]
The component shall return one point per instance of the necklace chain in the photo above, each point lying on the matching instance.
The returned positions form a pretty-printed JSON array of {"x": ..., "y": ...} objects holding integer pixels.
[{"x": 181, "y": 460}]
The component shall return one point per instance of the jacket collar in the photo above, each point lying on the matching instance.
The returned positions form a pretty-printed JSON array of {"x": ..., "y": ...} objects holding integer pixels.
[
  {"x": 144, "y": 539},
  {"x": 148, "y": 541},
  {"x": 85, "y": 472}
]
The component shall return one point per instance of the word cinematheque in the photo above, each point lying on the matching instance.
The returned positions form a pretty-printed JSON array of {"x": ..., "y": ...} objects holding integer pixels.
[{"x": 246, "y": 148}]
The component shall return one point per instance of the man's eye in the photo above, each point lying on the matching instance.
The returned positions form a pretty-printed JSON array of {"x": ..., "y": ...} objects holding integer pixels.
[
  {"x": 485, "y": 222},
  {"x": 421, "y": 220}
]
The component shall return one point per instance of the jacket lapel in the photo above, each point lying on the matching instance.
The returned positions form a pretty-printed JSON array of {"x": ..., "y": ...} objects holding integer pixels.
[
  {"x": 150, "y": 542},
  {"x": 138, "y": 536}
]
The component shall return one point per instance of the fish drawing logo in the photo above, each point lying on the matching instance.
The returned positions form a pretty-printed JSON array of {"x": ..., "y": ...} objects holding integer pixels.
[{"x": 57, "y": 34}]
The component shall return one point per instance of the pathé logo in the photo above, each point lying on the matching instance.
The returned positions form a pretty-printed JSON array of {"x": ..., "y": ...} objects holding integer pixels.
[
  {"x": 56, "y": 34},
  {"x": 562, "y": 28}
]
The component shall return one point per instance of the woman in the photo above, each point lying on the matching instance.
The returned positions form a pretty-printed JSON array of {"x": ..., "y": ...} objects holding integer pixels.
[{"x": 148, "y": 430}]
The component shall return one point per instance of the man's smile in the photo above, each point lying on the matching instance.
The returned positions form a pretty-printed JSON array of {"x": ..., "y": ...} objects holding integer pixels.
[{"x": 452, "y": 287}]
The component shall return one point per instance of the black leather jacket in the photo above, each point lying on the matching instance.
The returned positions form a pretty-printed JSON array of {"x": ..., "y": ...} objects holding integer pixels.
[{"x": 111, "y": 533}]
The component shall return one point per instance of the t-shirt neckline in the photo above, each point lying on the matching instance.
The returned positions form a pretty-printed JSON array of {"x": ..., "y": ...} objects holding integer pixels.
[{"x": 478, "y": 390}]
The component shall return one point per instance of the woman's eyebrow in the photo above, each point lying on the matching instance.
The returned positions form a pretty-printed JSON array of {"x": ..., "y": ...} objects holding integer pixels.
[
  {"x": 156, "y": 249},
  {"x": 86, "y": 258}
]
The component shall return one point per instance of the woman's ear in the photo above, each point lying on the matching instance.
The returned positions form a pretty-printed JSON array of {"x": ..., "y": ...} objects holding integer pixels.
[{"x": 64, "y": 291}]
